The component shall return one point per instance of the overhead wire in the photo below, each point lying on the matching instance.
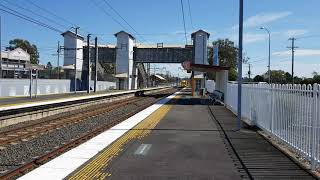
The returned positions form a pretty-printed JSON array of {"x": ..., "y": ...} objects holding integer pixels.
[
  {"x": 190, "y": 15},
  {"x": 108, "y": 14},
  {"x": 51, "y": 13},
  {"x": 184, "y": 22},
  {"x": 32, "y": 12},
  {"x": 27, "y": 18},
  {"x": 121, "y": 17}
]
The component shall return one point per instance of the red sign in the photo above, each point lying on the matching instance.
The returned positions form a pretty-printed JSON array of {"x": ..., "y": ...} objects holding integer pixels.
[{"x": 186, "y": 65}]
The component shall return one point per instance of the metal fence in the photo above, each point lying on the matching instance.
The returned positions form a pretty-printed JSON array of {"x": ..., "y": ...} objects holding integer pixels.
[{"x": 290, "y": 113}]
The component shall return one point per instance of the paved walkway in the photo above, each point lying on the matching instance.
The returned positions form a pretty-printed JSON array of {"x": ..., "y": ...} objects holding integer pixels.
[{"x": 187, "y": 139}]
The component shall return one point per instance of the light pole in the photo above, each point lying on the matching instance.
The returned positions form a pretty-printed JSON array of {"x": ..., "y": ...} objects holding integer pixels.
[
  {"x": 269, "y": 72},
  {"x": 240, "y": 64}
]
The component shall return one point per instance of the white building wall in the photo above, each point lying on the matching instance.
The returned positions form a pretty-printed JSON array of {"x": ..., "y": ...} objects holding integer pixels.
[
  {"x": 200, "y": 48},
  {"x": 70, "y": 42},
  {"x": 122, "y": 55},
  {"x": 21, "y": 87},
  {"x": 124, "y": 60}
]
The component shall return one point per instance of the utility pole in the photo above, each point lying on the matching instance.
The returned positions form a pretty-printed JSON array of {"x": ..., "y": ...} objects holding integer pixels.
[
  {"x": 249, "y": 72},
  {"x": 58, "y": 65},
  {"x": 95, "y": 64},
  {"x": 292, "y": 47},
  {"x": 88, "y": 65},
  {"x": 240, "y": 64}
]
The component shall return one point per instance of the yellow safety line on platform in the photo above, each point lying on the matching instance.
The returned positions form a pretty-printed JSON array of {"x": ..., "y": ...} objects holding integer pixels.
[{"x": 96, "y": 168}]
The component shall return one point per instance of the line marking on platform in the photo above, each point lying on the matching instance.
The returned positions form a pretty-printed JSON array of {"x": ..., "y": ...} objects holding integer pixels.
[{"x": 143, "y": 149}]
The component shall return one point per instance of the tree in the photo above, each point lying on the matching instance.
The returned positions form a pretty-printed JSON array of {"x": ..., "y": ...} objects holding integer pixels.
[
  {"x": 258, "y": 78},
  {"x": 27, "y": 46},
  {"x": 277, "y": 76},
  {"x": 288, "y": 77},
  {"x": 49, "y": 66},
  {"x": 227, "y": 52},
  {"x": 227, "y": 56}
]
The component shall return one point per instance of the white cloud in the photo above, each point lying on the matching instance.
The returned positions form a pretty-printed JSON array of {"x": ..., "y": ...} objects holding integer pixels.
[
  {"x": 263, "y": 18},
  {"x": 295, "y": 32},
  {"x": 298, "y": 52},
  {"x": 251, "y": 38}
]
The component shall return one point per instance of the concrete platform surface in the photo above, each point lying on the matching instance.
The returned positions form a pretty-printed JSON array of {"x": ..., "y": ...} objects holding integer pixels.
[
  {"x": 188, "y": 138},
  {"x": 184, "y": 144}
]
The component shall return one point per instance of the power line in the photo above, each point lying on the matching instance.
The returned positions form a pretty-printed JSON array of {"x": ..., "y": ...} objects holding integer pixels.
[
  {"x": 27, "y": 18},
  {"x": 66, "y": 21},
  {"x": 108, "y": 4},
  {"x": 184, "y": 22},
  {"x": 28, "y": 10},
  {"x": 106, "y": 13},
  {"x": 190, "y": 15},
  {"x": 51, "y": 13},
  {"x": 114, "y": 10}
]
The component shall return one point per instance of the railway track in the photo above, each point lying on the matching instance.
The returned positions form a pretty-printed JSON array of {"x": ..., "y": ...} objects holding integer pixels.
[{"x": 32, "y": 130}]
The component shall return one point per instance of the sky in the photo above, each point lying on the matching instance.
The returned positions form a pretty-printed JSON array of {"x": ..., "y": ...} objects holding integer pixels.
[{"x": 161, "y": 21}]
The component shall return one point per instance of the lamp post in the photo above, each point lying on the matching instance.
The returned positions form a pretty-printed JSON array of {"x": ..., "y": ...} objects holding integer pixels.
[
  {"x": 240, "y": 64},
  {"x": 269, "y": 72}
]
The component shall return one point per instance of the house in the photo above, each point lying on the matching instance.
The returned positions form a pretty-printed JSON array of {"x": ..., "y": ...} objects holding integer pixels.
[{"x": 13, "y": 63}]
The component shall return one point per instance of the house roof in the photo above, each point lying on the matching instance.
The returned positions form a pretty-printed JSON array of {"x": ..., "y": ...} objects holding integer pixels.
[
  {"x": 72, "y": 34},
  {"x": 16, "y": 54},
  {"x": 116, "y": 34},
  {"x": 200, "y": 31},
  {"x": 159, "y": 77},
  {"x": 121, "y": 75}
]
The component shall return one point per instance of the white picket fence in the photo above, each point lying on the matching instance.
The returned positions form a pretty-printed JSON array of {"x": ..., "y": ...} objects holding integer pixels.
[{"x": 290, "y": 113}]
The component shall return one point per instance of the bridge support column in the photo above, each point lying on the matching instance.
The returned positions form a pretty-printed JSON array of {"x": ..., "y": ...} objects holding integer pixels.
[
  {"x": 134, "y": 77},
  {"x": 222, "y": 81},
  {"x": 124, "y": 61}
]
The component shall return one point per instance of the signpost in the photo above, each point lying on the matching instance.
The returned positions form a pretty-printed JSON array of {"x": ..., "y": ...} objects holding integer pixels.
[{"x": 36, "y": 68}]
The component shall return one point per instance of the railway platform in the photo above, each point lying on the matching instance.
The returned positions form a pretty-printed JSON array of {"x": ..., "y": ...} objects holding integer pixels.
[
  {"x": 180, "y": 137},
  {"x": 10, "y": 103}
]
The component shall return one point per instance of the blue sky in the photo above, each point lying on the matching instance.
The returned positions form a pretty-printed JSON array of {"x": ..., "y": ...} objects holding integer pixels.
[{"x": 161, "y": 21}]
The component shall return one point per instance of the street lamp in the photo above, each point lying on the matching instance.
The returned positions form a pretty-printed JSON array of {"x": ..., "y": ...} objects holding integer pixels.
[{"x": 269, "y": 72}]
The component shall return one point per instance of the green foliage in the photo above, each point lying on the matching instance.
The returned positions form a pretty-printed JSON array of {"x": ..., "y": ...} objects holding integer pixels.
[
  {"x": 49, "y": 65},
  {"x": 282, "y": 77},
  {"x": 227, "y": 53},
  {"x": 227, "y": 56},
  {"x": 233, "y": 74},
  {"x": 258, "y": 78},
  {"x": 25, "y": 45}
]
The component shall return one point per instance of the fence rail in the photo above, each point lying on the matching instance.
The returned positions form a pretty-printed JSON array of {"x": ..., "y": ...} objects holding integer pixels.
[{"x": 290, "y": 113}]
